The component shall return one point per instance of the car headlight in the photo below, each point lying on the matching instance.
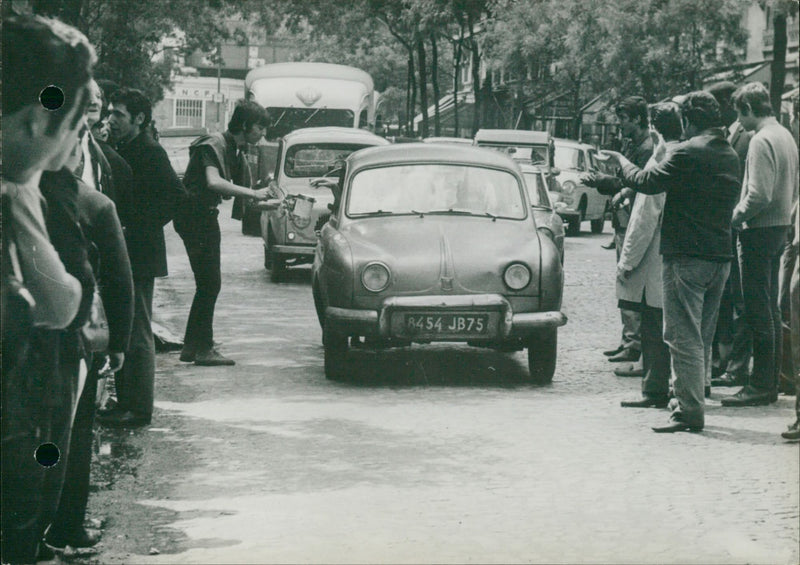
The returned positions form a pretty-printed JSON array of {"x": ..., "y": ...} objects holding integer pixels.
[
  {"x": 375, "y": 277},
  {"x": 517, "y": 276},
  {"x": 568, "y": 187}
]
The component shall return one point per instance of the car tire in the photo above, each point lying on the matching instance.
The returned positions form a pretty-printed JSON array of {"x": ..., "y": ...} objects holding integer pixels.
[
  {"x": 573, "y": 225},
  {"x": 251, "y": 221},
  {"x": 335, "y": 346},
  {"x": 542, "y": 354},
  {"x": 597, "y": 225},
  {"x": 277, "y": 267},
  {"x": 318, "y": 306}
]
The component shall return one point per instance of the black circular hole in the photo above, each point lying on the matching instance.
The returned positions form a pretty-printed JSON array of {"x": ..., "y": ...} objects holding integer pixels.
[
  {"x": 51, "y": 97},
  {"x": 47, "y": 454}
]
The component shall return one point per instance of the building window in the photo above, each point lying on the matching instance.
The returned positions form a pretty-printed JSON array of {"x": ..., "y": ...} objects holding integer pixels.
[{"x": 189, "y": 113}]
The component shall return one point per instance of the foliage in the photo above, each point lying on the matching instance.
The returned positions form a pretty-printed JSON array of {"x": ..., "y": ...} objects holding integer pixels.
[{"x": 130, "y": 35}]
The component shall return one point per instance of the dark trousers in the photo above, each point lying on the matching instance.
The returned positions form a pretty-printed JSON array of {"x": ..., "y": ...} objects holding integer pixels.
[
  {"x": 733, "y": 339},
  {"x": 760, "y": 252},
  {"x": 655, "y": 353},
  {"x": 36, "y": 409},
  {"x": 135, "y": 382},
  {"x": 631, "y": 319},
  {"x": 201, "y": 237},
  {"x": 71, "y": 512}
]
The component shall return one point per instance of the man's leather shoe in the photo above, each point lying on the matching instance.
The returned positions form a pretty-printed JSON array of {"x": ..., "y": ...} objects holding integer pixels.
[
  {"x": 611, "y": 352},
  {"x": 748, "y": 396},
  {"x": 676, "y": 424},
  {"x": 726, "y": 379},
  {"x": 630, "y": 355},
  {"x": 632, "y": 370},
  {"x": 124, "y": 419},
  {"x": 610, "y": 245},
  {"x": 793, "y": 432},
  {"x": 646, "y": 402},
  {"x": 212, "y": 358},
  {"x": 188, "y": 355},
  {"x": 81, "y": 538}
]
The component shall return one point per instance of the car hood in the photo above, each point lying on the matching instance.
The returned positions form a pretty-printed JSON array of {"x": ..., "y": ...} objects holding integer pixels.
[{"x": 445, "y": 254}]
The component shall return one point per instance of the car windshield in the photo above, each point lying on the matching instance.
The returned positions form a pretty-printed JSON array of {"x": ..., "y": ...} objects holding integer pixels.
[
  {"x": 530, "y": 154},
  {"x": 537, "y": 190},
  {"x": 569, "y": 158},
  {"x": 316, "y": 160},
  {"x": 438, "y": 189}
]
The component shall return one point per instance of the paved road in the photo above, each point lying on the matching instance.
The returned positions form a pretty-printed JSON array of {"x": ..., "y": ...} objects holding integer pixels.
[{"x": 437, "y": 454}]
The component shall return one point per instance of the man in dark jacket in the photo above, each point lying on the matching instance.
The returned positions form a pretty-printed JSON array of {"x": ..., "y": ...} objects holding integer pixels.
[
  {"x": 144, "y": 211},
  {"x": 108, "y": 257},
  {"x": 217, "y": 167},
  {"x": 733, "y": 339},
  {"x": 701, "y": 179}
]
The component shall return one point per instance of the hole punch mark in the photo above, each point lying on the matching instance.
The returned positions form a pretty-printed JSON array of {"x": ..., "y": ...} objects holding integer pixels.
[
  {"x": 51, "y": 97},
  {"x": 47, "y": 454}
]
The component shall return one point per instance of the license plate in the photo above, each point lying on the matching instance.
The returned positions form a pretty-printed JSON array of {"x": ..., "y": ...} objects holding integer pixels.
[{"x": 445, "y": 324}]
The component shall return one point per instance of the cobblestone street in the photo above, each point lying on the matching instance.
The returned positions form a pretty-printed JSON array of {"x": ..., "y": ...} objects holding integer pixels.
[{"x": 430, "y": 454}]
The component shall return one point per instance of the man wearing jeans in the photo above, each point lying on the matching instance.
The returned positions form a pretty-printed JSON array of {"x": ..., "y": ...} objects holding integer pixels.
[
  {"x": 763, "y": 215},
  {"x": 701, "y": 180}
]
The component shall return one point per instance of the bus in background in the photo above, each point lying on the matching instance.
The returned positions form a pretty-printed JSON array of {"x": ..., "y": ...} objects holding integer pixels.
[{"x": 303, "y": 95}]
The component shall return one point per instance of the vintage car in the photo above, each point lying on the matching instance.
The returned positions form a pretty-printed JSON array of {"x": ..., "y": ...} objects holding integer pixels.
[
  {"x": 524, "y": 146},
  {"x": 434, "y": 242},
  {"x": 544, "y": 213},
  {"x": 291, "y": 220},
  {"x": 450, "y": 140},
  {"x": 574, "y": 159}
]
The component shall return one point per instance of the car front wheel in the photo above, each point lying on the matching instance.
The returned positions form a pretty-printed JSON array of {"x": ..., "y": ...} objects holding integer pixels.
[
  {"x": 542, "y": 355},
  {"x": 335, "y": 346}
]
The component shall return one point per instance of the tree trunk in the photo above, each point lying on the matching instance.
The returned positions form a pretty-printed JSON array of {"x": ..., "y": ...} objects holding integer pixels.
[
  {"x": 437, "y": 127},
  {"x": 423, "y": 85},
  {"x": 412, "y": 73},
  {"x": 778, "y": 64},
  {"x": 476, "y": 75},
  {"x": 456, "y": 70},
  {"x": 409, "y": 82}
]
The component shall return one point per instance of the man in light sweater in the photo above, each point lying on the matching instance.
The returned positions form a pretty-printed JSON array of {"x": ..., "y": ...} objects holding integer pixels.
[{"x": 764, "y": 214}]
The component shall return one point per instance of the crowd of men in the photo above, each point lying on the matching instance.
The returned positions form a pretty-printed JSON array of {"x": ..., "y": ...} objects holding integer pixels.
[
  {"x": 707, "y": 230},
  {"x": 87, "y": 191}
]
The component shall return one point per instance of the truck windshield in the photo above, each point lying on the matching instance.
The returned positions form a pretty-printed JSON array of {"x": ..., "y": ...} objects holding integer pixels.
[{"x": 286, "y": 120}]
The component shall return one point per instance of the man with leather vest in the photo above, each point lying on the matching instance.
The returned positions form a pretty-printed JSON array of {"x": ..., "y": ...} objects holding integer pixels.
[
  {"x": 217, "y": 168},
  {"x": 638, "y": 148}
]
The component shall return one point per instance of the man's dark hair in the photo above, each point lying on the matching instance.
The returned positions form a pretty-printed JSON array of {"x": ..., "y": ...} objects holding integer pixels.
[
  {"x": 40, "y": 52},
  {"x": 701, "y": 110},
  {"x": 666, "y": 119},
  {"x": 754, "y": 96},
  {"x": 722, "y": 91},
  {"x": 247, "y": 113},
  {"x": 635, "y": 108},
  {"x": 135, "y": 102}
]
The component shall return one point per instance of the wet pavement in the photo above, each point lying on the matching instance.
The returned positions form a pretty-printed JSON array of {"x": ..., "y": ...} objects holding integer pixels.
[{"x": 428, "y": 454}]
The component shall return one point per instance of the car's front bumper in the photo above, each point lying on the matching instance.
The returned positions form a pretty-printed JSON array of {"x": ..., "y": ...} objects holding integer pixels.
[
  {"x": 293, "y": 249},
  {"x": 506, "y": 323}
]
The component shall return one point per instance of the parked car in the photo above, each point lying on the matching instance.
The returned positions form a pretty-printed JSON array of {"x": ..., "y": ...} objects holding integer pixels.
[
  {"x": 524, "y": 146},
  {"x": 574, "y": 159},
  {"x": 544, "y": 213},
  {"x": 434, "y": 242},
  {"x": 292, "y": 219},
  {"x": 452, "y": 140}
]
